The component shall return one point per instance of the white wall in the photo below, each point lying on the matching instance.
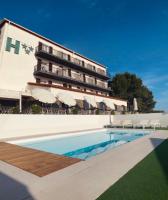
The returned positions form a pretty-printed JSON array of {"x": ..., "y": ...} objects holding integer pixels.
[
  {"x": 12, "y": 126},
  {"x": 28, "y": 125},
  {"x": 137, "y": 117}
]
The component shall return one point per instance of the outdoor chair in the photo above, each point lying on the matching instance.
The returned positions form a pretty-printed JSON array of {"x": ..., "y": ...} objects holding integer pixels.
[
  {"x": 155, "y": 123},
  {"x": 127, "y": 123},
  {"x": 143, "y": 124}
]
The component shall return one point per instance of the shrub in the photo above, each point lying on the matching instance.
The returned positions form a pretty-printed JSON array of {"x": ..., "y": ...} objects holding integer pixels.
[
  {"x": 75, "y": 111},
  {"x": 36, "y": 109},
  {"x": 112, "y": 112},
  {"x": 15, "y": 110},
  {"x": 97, "y": 112}
]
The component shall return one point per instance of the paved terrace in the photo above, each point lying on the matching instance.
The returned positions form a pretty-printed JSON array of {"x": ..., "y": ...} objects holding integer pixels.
[{"x": 83, "y": 180}]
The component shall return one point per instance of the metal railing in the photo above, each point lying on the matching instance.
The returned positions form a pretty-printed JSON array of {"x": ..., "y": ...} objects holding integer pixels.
[
  {"x": 90, "y": 81},
  {"x": 101, "y": 85},
  {"x": 64, "y": 73},
  {"x": 49, "y": 110},
  {"x": 71, "y": 59}
]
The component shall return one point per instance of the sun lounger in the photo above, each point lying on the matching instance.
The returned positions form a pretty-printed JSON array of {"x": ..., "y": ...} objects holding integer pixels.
[
  {"x": 154, "y": 123},
  {"x": 143, "y": 124},
  {"x": 135, "y": 123},
  {"x": 116, "y": 123},
  {"x": 127, "y": 123}
]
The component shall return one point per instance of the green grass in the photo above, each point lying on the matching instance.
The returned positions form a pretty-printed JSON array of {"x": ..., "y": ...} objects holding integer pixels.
[
  {"x": 148, "y": 180},
  {"x": 162, "y": 128}
]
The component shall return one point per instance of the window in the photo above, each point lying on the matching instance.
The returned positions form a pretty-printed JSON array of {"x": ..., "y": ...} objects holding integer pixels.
[
  {"x": 101, "y": 71},
  {"x": 65, "y": 56},
  {"x": 77, "y": 61},
  {"x": 57, "y": 53},
  {"x": 45, "y": 48},
  {"x": 61, "y": 54},
  {"x": 91, "y": 67},
  {"x": 44, "y": 66}
]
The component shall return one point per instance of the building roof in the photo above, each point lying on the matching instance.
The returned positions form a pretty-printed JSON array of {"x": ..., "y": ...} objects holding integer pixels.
[{"x": 2, "y": 22}]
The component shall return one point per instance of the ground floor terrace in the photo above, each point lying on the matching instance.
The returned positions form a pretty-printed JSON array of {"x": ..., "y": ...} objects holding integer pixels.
[
  {"x": 49, "y": 99},
  {"x": 32, "y": 106},
  {"x": 86, "y": 179}
]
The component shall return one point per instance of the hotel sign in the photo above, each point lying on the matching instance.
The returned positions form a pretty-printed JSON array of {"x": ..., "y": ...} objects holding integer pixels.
[{"x": 17, "y": 46}]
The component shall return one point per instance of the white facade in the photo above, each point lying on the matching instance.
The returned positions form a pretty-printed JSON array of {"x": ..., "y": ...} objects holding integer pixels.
[{"x": 17, "y": 68}]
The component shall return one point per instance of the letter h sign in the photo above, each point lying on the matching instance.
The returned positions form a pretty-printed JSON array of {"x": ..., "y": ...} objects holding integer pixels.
[{"x": 10, "y": 45}]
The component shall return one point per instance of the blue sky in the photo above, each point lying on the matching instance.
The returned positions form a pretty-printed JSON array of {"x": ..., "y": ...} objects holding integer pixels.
[{"x": 125, "y": 35}]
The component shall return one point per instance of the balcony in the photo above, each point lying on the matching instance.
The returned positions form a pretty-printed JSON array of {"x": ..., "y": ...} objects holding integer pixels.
[
  {"x": 62, "y": 76},
  {"x": 101, "y": 84},
  {"x": 53, "y": 55},
  {"x": 90, "y": 81},
  {"x": 77, "y": 77}
]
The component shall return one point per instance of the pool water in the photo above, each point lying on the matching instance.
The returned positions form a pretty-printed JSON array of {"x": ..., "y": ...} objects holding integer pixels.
[{"x": 84, "y": 146}]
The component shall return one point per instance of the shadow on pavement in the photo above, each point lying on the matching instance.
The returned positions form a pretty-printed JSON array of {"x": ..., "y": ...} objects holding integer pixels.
[{"x": 11, "y": 189}]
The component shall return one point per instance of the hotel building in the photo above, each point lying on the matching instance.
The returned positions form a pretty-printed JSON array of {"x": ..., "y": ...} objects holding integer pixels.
[{"x": 31, "y": 64}]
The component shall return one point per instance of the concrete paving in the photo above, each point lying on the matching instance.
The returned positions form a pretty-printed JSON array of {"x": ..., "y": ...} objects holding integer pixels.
[{"x": 85, "y": 180}]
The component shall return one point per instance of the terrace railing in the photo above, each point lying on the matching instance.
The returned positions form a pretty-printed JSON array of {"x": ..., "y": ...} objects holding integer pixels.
[
  {"x": 74, "y": 76},
  {"x": 71, "y": 59}
]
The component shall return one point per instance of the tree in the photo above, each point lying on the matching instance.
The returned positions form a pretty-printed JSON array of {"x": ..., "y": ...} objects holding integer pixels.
[{"x": 128, "y": 86}]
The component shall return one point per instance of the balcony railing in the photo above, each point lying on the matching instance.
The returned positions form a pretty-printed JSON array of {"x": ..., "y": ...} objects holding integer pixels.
[
  {"x": 77, "y": 76},
  {"x": 71, "y": 59},
  {"x": 101, "y": 85},
  {"x": 90, "y": 81},
  {"x": 74, "y": 78}
]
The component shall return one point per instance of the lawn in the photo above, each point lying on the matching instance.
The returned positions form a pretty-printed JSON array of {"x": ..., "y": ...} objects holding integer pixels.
[
  {"x": 162, "y": 128},
  {"x": 148, "y": 180}
]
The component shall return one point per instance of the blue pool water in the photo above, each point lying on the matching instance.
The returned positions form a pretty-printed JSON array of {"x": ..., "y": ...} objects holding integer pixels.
[{"x": 86, "y": 145}]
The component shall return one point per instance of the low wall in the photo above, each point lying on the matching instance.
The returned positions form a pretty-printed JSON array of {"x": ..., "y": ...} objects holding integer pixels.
[
  {"x": 151, "y": 116},
  {"x": 12, "y": 126}
]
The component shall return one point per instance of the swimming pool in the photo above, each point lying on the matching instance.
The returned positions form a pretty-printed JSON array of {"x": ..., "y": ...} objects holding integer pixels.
[{"x": 84, "y": 145}]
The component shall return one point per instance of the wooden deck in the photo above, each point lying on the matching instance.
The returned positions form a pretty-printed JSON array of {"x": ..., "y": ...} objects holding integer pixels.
[{"x": 34, "y": 161}]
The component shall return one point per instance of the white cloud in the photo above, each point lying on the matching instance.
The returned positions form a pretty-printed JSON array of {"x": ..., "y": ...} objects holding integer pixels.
[
  {"x": 159, "y": 85},
  {"x": 152, "y": 80}
]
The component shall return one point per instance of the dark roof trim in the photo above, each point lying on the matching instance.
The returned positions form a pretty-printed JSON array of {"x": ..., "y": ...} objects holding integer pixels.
[
  {"x": 74, "y": 90},
  {"x": 2, "y": 22}
]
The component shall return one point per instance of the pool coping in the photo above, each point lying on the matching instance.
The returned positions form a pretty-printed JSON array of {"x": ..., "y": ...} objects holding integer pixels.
[
  {"x": 86, "y": 180},
  {"x": 46, "y": 135}
]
